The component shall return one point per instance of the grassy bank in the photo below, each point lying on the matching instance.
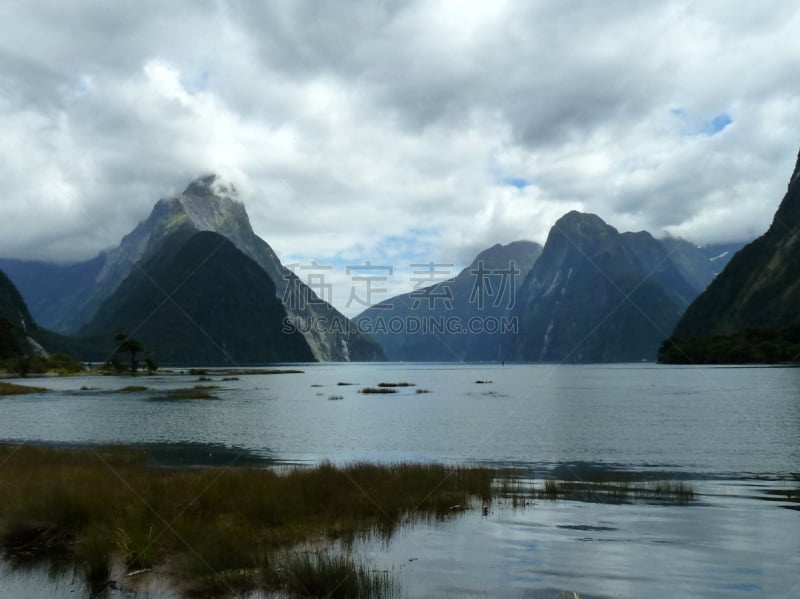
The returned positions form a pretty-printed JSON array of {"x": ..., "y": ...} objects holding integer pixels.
[{"x": 215, "y": 532}]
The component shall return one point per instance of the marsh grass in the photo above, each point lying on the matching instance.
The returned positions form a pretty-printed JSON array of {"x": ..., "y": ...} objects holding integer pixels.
[
  {"x": 230, "y": 531},
  {"x": 14, "y": 389},
  {"x": 132, "y": 389},
  {"x": 516, "y": 487},
  {"x": 616, "y": 491},
  {"x": 397, "y": 385},
  {"x": 322, "y": 574},
  {"x": 377, "y": 390}
]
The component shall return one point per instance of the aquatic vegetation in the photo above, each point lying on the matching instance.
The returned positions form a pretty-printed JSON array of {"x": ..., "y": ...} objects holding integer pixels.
[
  {"x": 218, "y": 532},
  {"x": 421, "y": 391},
  {"x": 397, "y": 384},
  {"x": 335, "y": 397},
  {"x": 132, "y": 389},
  {"x": 321, "y": 574},
  {"x": 616, "y": 491},
  {"x": 377, "y": 390},
  {"x": 14, "y": 389}
]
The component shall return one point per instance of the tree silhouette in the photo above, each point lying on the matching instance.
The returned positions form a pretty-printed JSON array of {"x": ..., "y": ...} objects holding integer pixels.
[{"x": 129, "y": 345}]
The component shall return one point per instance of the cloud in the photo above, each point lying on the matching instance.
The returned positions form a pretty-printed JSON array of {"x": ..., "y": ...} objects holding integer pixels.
[{"x": 390, "y": 130}]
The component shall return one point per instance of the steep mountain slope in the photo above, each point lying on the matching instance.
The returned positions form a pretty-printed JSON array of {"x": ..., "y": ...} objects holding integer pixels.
[
  {"x": 51, "y": 291},
  {"x": 207, "y": 204},
  {"x": 481, "y": 295},
  {"x": 654, "y": 260},
  {"x": 699, "y": 264},
  {"x": 199, "y": 301},
  {"x": 13, "y": 315},
  {"x": 760, "y": 287},
  {"x": 17, "y": 327},
  {"x": 596, "y": 296}
]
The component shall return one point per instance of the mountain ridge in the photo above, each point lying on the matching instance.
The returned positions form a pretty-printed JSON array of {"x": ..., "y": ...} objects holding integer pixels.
[
  {"x": 590, "y": 298},
  {"x": 198, "y": 301},
  {"x": 207, "y": 204},
  {"x": 471, "y": 294}
]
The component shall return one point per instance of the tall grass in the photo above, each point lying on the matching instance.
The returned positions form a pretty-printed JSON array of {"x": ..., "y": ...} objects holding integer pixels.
[
  {"x": 334, "y": 577},
  {"x": 616, "y": 491},
  {"x": 215, "y": 532}
]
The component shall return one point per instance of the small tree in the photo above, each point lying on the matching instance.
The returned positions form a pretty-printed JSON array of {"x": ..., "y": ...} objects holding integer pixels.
[
  {"x": 131, "y": 346},
  {"x": 150, "y": 364},
  {"x": 19, "y": 365}
]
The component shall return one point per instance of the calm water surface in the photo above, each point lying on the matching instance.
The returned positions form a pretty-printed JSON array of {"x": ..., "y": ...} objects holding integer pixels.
[{"x": 733, "y": 432}]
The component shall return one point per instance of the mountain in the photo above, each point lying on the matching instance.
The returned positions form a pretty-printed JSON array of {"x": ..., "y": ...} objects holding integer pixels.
[
  {"x": 699, "y": 264},
  {"x": 198, "y": 301},
  {"x": 595, "y": 295},
  {"x": 51, "y": 291},
  {"x": 427, "y": 324},
  {"x": 654, "y": 260},
  {"x": 760, "y": 286},
  {"x": 17, "y": 327},
  {"x": 208, "y": 204}
]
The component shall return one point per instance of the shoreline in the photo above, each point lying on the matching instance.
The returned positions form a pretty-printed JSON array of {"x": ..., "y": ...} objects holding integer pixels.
[{"x": 106, "y": 512}]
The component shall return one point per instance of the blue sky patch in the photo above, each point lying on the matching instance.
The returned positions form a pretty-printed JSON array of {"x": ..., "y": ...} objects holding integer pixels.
[
  {"x": 697, "y": 126},
  {"x": 717, "y": 124},
  {"x": 199, "y": 84},
  {"x": 517, "y": 182}
]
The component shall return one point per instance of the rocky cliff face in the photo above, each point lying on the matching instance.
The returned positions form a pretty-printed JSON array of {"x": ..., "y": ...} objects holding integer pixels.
[
  {"x": 760, "y": 287},
  {"x": 431, "y": 324},
  {"x": 595, "y": 295}
]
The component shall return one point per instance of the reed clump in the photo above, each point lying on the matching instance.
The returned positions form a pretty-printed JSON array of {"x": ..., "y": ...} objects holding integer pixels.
[
  {"x": 216, "y": 532},
  {"x": 378, "y": 390},
  {"x": 616, "y": 491},
  {"x": 321, "y": 574}
]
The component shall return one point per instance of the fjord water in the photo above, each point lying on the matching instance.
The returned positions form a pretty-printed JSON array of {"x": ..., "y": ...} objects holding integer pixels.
[{"x": 733, "y": 433}]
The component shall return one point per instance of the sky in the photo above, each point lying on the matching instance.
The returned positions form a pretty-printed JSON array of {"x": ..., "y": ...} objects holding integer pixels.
[{"x": 396, "y": 132}]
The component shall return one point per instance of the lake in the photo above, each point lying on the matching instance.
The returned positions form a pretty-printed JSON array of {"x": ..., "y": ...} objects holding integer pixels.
[{"x": 732, "y": 433}]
